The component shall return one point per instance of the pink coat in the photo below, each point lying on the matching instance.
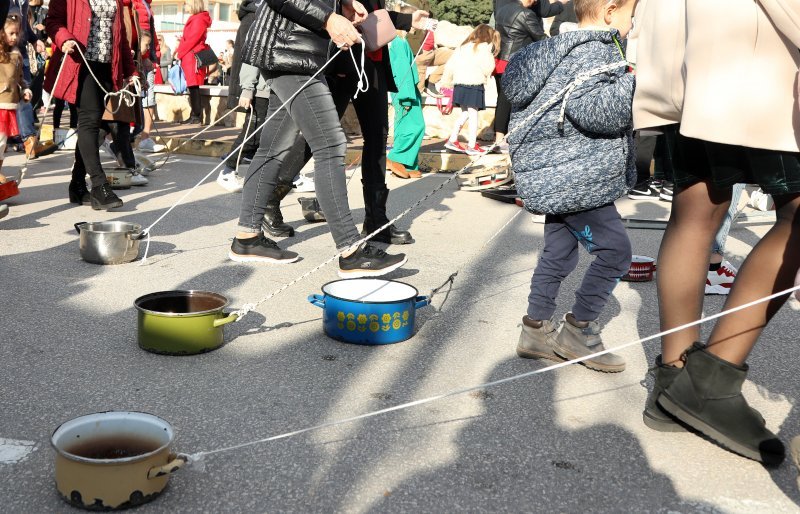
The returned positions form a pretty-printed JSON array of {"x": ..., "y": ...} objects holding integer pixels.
[
  {"x": 72, "y": 19},
  {"x": 193, "y": 41},
  {"x": 732, "y": 78}
]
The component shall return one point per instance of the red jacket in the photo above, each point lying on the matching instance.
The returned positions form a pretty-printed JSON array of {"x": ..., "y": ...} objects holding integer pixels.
[
  {"x": 193, "y": 41},
  {"x": 72, "y": 19},
  {"x": 146, "y": 24}
]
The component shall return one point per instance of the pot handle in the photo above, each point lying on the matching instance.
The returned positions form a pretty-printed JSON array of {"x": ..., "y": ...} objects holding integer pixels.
[
  {"x": 176, "y": 462},
  {"x": 79, "y": 225},
  {"x": 232, "y": 316},
  {"x": 317, "y": 299},
  {"x": 421, "y": 301},
  {"x": 136, "y": 236}
]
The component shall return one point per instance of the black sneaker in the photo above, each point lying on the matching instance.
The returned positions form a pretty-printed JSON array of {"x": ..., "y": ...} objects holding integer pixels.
[
  {"x": 666, "y": 191},
  {"x": 646, "y": 190},
  {"x": 102, "y": 197},
  {"x": 260, "y": 249},
  {"x": 369, "y": 261}
]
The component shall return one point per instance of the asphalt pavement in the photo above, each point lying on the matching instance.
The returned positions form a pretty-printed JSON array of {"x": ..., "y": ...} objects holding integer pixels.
[{"x": 570, "y": 440}]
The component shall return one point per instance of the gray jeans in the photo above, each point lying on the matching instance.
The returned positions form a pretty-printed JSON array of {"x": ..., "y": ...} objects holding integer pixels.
[{"x": 313, "y": 113}]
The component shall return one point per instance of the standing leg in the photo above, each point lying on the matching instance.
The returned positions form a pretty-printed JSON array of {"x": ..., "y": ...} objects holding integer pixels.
[
  {"x": 603, "y": 235},
  {"x": 557, "y": 260},
  {"x": 462, "y": 118},
  {"x": 770, "y": 267},
  {"x": 472, "y": 134}
]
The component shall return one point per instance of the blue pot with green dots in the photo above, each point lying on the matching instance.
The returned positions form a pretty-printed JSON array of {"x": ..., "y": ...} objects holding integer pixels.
[{"x": 369, "y": 311}]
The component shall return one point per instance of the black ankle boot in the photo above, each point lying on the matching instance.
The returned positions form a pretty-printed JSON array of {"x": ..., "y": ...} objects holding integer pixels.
[
  {"x": 273, "y": 219},
  {"x": 707, "y": 395},
  {"x": 312, "y": 212},
  {"x": 78, "y": 193},
  {"x": 654, "y": 416},
  {"x": 375, "y": 217},
  {"x": 103, "y": 197}
]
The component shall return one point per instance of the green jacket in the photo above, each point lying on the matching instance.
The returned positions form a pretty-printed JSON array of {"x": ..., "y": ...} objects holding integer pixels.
[{"x": 404, "y": 72}]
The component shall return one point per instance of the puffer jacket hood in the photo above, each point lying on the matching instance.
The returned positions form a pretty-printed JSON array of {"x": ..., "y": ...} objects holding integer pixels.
[
  {"x": 545, "y": 56},
  {"x": 578, "y": 153}
]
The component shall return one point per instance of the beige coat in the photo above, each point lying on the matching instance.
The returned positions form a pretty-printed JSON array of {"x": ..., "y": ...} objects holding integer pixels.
[{"x": 739, "y": 68}]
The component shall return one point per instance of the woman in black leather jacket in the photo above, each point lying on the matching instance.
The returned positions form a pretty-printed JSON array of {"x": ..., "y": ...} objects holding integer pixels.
[
  {"x": 518, "y": 26},
  {"x": 290, "y": 41}
]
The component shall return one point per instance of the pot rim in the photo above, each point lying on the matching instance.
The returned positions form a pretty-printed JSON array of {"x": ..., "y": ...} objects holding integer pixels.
[
  {"x": 176, "y": 293},
  {"x": 135, "y": 227},
  {"x": 126, "y": 460},
  {"x": 388, "y": 302}
]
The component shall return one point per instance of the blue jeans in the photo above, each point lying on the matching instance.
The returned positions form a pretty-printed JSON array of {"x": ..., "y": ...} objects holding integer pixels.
[
  {"x": 314, "y": 113},
  {"x": 722, "y": 234},
  {"x": 25, "y": 120}
]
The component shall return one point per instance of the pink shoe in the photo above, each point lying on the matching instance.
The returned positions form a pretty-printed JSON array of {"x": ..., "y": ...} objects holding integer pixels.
[
  {"x": 476, "y": 150},
  {"x": 455, "y": 146}
]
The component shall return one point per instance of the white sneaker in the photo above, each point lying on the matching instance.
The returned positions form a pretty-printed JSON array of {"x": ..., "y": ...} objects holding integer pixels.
[
  {"x": 143, "y": 171},
  {"x": 137, "y": 179},
  {"x": 230, "y": 182},
  {"x": 304, "y": 184},
  {"x": 150, "y": 146},
  {"x": 721, "y": 280}
]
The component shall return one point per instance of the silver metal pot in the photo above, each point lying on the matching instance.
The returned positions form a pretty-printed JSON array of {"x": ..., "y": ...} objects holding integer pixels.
[{"x": 109, "y": 242}]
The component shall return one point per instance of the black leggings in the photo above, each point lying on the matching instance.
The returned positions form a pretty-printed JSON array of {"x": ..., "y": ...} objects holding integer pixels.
[
  {"x": 58, "y": 109},
  {"x": 194, "y": 101},
  {"x": 90, "y": 113},
  {"x": 502, "y": 114}
]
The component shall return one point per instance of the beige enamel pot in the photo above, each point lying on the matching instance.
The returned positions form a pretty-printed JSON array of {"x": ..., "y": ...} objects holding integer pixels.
[{"x": 113, "y": 460}]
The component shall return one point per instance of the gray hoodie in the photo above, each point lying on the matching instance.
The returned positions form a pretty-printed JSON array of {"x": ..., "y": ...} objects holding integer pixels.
[{"x": 578, "y": 154}]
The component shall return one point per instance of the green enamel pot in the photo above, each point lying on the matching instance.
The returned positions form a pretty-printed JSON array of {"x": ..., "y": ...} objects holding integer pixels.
[{"x": 182, "y": 322}]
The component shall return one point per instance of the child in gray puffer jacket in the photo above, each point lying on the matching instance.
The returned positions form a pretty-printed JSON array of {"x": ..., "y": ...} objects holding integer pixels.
[{"x": 571, "y": 162}]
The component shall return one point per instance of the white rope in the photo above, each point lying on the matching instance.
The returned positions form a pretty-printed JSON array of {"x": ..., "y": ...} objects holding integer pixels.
[
  {"x": 363, "y": 80},
  {"x": 197, "y": 457},
  {"x": 125, "y": 95},
  {"x": 549, "y": 103},
  {"x": 147, "y": 230}
]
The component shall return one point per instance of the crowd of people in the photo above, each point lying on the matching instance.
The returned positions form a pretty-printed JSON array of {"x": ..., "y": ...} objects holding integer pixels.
[{"x": 675, "y": 89}]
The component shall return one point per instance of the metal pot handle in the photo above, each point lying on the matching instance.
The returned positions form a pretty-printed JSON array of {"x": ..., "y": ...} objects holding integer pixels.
[
  {"x": 135, "y": 236},
  {"x": 317, "y": 299},
  {"x": 176, "y": 462},
  {"x": 79, "y": 225},
  {"x": 421, "y": 301},
  {"x": 231, "y": 316}
]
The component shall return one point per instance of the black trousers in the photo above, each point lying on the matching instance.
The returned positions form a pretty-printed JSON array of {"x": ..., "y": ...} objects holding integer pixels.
[
  {"x": 372, "y": 110},
  {"x": 502, "y": 113},
  {"x": 260, "y": 108},
  {"x": 90, "y": 114},
  {"x": 194, "y": 101}
]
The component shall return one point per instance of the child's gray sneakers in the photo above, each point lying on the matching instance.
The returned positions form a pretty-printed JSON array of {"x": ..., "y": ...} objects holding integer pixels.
[
  {"x": 537, "y": 339},
  {"x": 580, "y": 338}
]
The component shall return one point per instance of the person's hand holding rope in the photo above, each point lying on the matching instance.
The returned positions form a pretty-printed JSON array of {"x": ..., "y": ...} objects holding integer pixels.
[
  {"x": 341, "y": 30},
  {"x": 420, "y": 19},
  {"x": 69, "y": 46}
]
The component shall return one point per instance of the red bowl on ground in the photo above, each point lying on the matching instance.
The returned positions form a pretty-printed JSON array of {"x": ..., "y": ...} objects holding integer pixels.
[
  {"x": 641, "y": 269},
  {"x": 8, "y": 189}
]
